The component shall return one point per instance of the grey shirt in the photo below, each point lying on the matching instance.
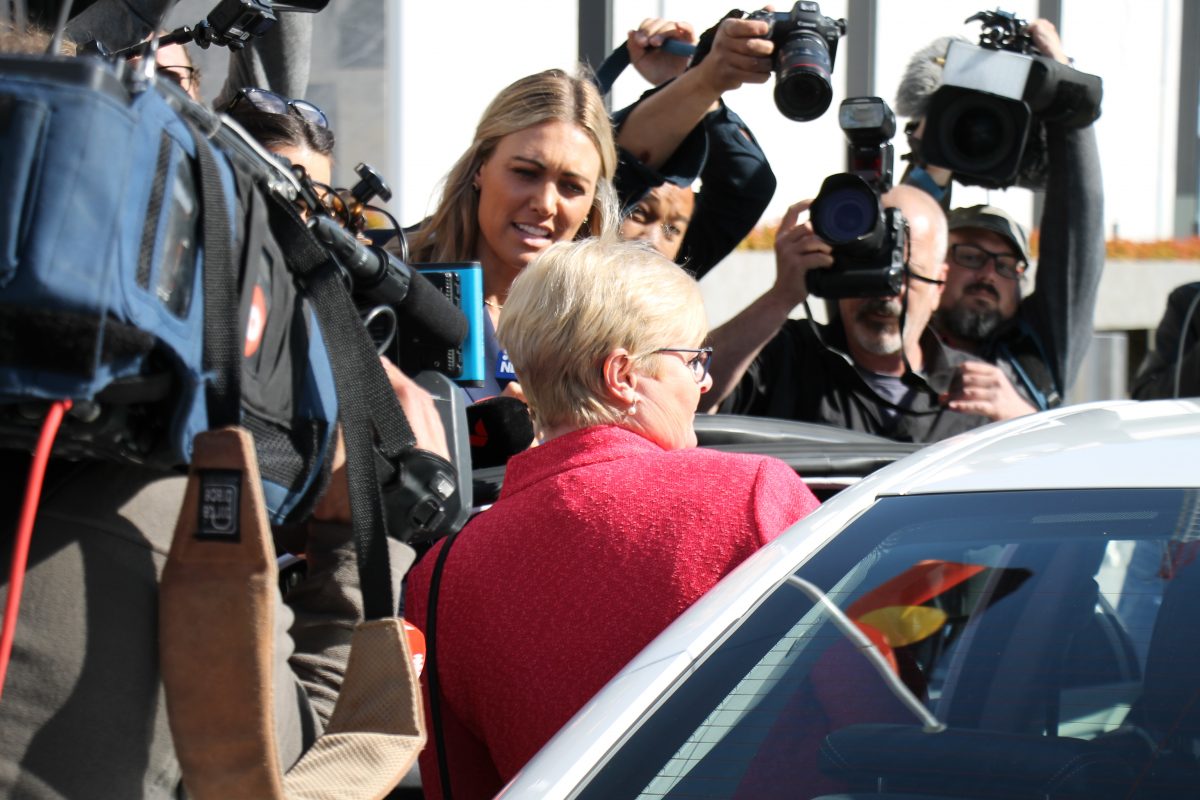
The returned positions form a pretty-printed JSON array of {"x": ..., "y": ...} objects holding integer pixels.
[{"x": 83, "y": 713}]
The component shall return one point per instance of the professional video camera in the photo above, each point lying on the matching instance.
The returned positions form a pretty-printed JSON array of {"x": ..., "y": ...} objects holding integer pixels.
[
  {"x": 805, "y": 48},
  {"x": 986, "y": 122},
  {"x": 188, "y": 296},
  {"x": 868, "y": 240}
]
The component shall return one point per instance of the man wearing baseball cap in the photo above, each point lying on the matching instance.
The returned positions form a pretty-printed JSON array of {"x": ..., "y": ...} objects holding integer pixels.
[
  {"x": 1038, "y": 337},
  {"x": 982, "y": 311},
  {"x": 987, "y": 260}
]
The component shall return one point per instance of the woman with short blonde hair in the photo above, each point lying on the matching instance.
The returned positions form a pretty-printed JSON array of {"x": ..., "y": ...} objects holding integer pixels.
[
  {"x": 591, "y": 298},
  {"x": 605, "y": 532}
]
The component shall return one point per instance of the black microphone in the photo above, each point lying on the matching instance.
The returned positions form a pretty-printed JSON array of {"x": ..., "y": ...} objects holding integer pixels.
[
  {"x": 499, "y": 427},
  {"x": 382, "y": 279}
]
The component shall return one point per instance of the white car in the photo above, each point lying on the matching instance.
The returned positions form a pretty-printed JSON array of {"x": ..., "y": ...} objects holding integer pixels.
[{"x": 1009, "y": 613}]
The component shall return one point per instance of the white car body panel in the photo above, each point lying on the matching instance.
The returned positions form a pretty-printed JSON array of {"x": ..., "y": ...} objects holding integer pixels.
[{"x": 1119, "y": 444}]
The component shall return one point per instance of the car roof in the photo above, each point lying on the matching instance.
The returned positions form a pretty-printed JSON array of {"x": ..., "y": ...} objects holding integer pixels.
[
  {"x": 1111, "y": 444},
  {"x": 1105, "y": 445}
]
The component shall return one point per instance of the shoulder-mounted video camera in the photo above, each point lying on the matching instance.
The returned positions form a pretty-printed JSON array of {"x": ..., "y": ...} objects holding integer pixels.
[
  {"x": 194, "y": 297},
  {"x": 986, "y": 122},
  {"x": 868, "y": 240}
]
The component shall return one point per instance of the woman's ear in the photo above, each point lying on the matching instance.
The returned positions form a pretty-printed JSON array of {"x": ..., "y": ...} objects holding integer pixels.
[{"x": 620, "y": 380}]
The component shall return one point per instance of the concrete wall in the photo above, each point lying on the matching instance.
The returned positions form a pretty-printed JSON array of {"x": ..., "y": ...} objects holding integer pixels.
[{"x": 1133, "y": 296}]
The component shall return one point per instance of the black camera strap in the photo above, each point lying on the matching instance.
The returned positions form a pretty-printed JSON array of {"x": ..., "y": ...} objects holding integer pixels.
[
  {"x": 367, "y": 406},
  {"x": 704, "y": 45},
  {"x": 431, "y": 665},
  {"x": 222, "y": 357},
  {"x": 618, "y": 60}
]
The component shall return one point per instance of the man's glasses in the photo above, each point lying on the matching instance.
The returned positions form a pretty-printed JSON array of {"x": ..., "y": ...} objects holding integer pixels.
[
  {"x": 272, "y": 103},
  {"x": 698, "y": 363},
  {"x": 972, "y": 257},
  {"x": 912, "y": 273},
  {"x": 185, "y": 77}
]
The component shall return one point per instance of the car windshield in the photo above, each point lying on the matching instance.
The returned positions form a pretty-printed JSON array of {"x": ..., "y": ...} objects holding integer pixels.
[{"x": 1051, "y": 632}]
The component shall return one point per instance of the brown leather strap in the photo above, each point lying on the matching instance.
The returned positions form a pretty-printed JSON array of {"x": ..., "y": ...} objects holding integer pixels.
[
  {"x": 216, "y": 621},
  {"x": 216, "y": 627}
]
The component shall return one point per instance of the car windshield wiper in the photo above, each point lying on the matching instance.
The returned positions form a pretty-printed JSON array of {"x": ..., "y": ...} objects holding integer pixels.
[{"x": 929, "y": 723}]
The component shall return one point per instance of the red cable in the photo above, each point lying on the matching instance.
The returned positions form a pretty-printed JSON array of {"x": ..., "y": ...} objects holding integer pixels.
[{"x": 20, "y": 557}]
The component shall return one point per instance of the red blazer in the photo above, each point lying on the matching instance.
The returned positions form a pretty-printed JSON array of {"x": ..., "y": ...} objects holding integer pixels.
[{"x": 599, "y": 540}]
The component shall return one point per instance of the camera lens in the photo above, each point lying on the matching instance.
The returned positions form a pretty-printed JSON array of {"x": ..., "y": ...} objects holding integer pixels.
[
  {"x": 980, "y": 133},
  {"x": 846, "y": 210},
  {"x": 802, "y": 68}
]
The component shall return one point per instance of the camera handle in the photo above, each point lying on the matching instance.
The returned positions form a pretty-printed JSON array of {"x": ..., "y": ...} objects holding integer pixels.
[
  {"x": 1003, "y": 30},
  {"x": 232, "y": 23}
]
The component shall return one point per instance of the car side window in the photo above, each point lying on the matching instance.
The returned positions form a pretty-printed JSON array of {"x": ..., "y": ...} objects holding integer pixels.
[{"x": 1031, "y": 625}]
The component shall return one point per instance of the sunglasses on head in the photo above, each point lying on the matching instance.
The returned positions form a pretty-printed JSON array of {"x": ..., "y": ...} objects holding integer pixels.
[{"x": 271, "y": 103}]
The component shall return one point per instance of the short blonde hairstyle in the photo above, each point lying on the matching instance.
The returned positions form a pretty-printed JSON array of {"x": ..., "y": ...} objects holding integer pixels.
[
  {"x": 31, "y": 41},
  {"x": 452, "y": 232},
  {"x": 576, "y": 303}
]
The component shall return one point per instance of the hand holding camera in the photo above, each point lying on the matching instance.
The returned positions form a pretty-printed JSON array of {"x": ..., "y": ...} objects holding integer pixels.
[
  {"x": 1044, "y": 36},
  {"x": 740, "y": 54},
  {"x": 797, "y": 251}
]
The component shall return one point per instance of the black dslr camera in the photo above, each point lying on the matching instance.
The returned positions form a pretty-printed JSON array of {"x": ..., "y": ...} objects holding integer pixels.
[
  {"x": 986, "y": 122},
  {"x": 868, "y": 240},
  {"x": 805, "y": 47}
]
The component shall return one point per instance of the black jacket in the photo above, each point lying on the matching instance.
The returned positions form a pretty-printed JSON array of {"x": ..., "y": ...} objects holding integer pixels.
[
  {"x": 736, "y": 184},
  {"x": 1156, "y": 376},
  {"x": 806, "y": 374}
]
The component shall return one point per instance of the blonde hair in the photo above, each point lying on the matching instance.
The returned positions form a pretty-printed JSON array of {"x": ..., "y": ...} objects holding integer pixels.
[
  {"x": 31, "y": 41},
  {"x": 452, "y": 232},
  {"x": 576, "y": 303}
]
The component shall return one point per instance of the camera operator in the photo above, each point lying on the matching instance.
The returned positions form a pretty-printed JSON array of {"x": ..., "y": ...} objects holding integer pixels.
[
  {"x": 1043, "y": 337},
  {"x": 83, "y": 712},
  {"x": 662, "y": 135},
  {"x": 1172, "y": 368},
  {"x": 875, "y": 368}
]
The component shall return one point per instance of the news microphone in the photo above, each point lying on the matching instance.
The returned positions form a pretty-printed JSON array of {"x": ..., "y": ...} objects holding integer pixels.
[
  {"x": 383, "y": 279},
  {"x": 499, "y": 427}
]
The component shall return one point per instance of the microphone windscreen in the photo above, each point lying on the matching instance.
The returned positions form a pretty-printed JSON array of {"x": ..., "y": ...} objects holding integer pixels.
[
  {"x": 499, "y": 427},
  {"x": 435, "y": 314}
]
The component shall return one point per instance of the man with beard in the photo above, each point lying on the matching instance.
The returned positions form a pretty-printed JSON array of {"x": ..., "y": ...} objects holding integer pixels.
[
  {"x": 983, "y": 314},
  {"x": 875, "y": 368},
  {"x": 1040, "y": 339}
]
